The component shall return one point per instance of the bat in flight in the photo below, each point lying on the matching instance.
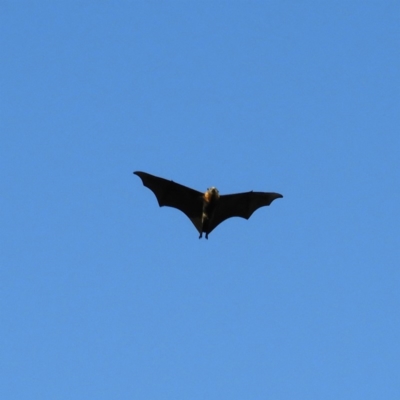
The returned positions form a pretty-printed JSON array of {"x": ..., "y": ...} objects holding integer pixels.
[{"x": 205, "y": 210}]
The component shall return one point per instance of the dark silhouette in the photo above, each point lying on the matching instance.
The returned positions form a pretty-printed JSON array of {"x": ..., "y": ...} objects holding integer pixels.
[{"x": 205, "y": 210}]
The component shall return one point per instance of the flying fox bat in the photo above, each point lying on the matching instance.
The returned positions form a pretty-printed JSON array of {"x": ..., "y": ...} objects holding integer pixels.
[{"x": 205, "y": 210}]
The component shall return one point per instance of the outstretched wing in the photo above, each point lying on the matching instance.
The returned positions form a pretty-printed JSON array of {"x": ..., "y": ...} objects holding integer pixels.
[
  {"x": 172, "y": 194},
  {"x": 241, "y": 205}
]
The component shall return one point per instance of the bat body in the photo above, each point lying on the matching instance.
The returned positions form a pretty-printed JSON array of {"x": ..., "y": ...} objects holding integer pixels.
[{"x": 205, "y": 210}]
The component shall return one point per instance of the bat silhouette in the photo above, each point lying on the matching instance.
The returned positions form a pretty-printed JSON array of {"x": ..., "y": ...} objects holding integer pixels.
[{"x": 205, "y": 210}]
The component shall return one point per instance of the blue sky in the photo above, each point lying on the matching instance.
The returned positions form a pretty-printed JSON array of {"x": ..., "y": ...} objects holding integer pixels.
[{"x": 105, "y": 295}]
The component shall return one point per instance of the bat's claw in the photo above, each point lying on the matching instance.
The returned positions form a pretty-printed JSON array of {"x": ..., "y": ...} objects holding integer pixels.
[
  {"x": 201, "y": 234},
  {"x": 207, "y": 236}
]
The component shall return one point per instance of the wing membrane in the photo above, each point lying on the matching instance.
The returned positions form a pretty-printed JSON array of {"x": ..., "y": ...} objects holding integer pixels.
[
  {"x": 172, "y": 194},
  {"x": 241, "y": 205}
]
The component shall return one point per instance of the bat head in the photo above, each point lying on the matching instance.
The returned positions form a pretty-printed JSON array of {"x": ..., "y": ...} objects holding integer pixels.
[{"x": 211, "y": 194}]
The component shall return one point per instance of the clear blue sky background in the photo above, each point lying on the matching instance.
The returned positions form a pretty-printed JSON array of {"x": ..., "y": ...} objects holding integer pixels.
[{"x": 104, "y": 295}]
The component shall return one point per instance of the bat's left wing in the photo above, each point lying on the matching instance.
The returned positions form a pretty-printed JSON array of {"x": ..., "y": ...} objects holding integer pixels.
[
  {"x": 241, "y": 205},
  {"x": 172, "y": 194}
]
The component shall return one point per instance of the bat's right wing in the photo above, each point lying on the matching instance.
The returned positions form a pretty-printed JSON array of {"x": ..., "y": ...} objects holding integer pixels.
[
  {"x": 241, "y": 205},
  {"x": 172, "y": 194}
]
